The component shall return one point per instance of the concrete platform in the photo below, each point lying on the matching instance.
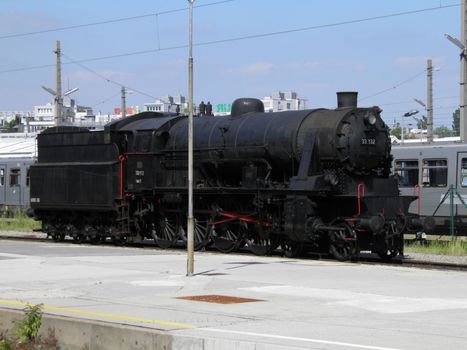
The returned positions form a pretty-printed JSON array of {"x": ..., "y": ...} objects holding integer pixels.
[{"x": 127, "y": 298}]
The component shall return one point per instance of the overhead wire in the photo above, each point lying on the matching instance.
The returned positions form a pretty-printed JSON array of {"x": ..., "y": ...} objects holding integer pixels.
[
  {"x": 122, "y": 19},
  {"x": 249, "y": 37},
  {"x": 111, "y": 81}
]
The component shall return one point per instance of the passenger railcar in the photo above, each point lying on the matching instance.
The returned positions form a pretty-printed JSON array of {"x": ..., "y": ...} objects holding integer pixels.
[
  {"x": 14, "y": 184},
  {"x": 427, "y": 171}
]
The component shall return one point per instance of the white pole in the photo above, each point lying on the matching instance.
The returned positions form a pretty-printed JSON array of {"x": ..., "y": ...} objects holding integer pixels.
[
  {"x": 190, "y": 223},
  {"x": 463, "y": 77},
  {"x": 58, "y": 86},
  {"x": 402, "y": 131},
  {"x": 429, "y": 101}
]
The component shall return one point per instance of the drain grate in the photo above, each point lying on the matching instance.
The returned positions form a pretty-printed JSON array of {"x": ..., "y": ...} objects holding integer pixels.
[{"x": 219, "y": 299}]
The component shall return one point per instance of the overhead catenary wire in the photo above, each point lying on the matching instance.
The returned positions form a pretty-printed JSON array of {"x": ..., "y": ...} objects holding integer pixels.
[
  {"x": 247, "y": 37},
  {"x": 110, "y": 21},
  {"x": 103, "y": 77}
]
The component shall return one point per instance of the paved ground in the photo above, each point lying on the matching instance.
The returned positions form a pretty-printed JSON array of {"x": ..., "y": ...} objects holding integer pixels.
[{"x": 302, "y": 303}]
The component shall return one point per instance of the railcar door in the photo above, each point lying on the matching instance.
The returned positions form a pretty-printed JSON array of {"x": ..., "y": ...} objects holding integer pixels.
[
  {"x": 461, "y": 184},
  {"x": 2, "y": 185}
]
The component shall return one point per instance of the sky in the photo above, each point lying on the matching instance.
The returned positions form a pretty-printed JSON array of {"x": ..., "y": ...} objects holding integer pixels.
[{"x": 349, "y": 45}]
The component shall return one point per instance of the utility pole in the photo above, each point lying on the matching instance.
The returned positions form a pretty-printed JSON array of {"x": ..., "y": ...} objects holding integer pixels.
[
  {"x": 462, "y": 45},
  {"x": 58, "y": 86},
  {"x": 463, "y": 78},
  {"x": 123, "y": 107},
  {"x": 429, "y": 101},
  {"x": 190, "y": 223}
]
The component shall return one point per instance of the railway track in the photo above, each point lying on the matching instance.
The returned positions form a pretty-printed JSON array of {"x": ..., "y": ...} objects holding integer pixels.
[{"x": 364, "y": 258}]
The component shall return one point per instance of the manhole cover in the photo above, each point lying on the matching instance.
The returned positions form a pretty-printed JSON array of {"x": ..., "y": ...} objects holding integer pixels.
[{"x": 219, "y": 299}]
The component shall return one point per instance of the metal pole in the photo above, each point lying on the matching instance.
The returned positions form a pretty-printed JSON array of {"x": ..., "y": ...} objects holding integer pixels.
[
  {"x": 463, "y": 77},
  {"x": 402, "y": 131},
  {"x": 190, "y": 223},
  {"x": 451, "y": 211},
  {"x": 429, "y": 101},
  {"x": 58, "y": 87},
  {"x": 123, "y": 106}
]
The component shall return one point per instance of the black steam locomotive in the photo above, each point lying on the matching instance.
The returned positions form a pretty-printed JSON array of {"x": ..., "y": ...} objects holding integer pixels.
[{"x": 312, "y": 179}]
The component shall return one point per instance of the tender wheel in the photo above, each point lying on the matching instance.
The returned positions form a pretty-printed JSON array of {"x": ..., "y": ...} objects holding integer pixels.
[
  {"x": 387, "y": 254},
  {"x": 343, "y": 242},
  {"x": 166, "y": 230},
  {"x": 229, "y": 236},
  {"x": 292, "y": 249}
]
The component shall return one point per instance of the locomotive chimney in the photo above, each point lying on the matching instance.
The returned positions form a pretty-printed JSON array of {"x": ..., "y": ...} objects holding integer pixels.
[{"x": 347, "y": 99}]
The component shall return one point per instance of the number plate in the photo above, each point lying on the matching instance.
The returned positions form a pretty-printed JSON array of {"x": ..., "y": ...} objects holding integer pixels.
[{"x": 369, "y": 142}]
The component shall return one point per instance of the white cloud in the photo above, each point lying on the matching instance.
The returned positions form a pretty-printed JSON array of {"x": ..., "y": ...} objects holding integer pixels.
[
  {"x": 254, "y": 68},
  {"x": 416, "y": 61}
]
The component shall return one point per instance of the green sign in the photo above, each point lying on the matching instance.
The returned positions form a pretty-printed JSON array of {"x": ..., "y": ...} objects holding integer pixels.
[{"x": 224, "y": 107}]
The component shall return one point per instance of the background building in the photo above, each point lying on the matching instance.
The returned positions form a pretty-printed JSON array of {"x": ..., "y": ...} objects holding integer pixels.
[
  {"x": 283, "y": 101},
  {"x": 167, "y": 104}
]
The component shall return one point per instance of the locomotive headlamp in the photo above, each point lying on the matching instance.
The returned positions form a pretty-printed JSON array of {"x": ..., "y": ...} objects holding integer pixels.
[{"x": 370, "y": 119}]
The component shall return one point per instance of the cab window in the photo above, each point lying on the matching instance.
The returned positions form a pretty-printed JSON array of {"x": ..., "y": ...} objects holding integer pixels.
[
  {"x": 407, "y": 172},
  {"x": 435, "y": 173}
]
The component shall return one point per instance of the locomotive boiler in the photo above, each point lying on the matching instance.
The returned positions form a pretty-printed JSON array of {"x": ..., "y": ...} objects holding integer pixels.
[{"x": 300, "y": 180}]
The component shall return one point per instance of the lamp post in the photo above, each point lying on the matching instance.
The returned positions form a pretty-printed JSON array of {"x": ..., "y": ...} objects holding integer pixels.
[
  {"x": 461, "y": 44},
  {"x": 408, "y": 114},
  {"x": 190, "y": 223}
]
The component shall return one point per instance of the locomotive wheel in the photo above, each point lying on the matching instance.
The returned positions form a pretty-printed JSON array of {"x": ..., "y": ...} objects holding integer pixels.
[
  {"x": 167, "y": 231},
  {"x": 201, "y": 226},
  {"x": 343, "y": 242},
  {"x": 260, "y": 242},
  {"x": 292, "y": 249},
  {"x": 229, "y": 236}
]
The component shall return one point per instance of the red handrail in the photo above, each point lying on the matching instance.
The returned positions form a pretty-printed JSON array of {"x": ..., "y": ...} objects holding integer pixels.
[
  {"x": 360, "y": 195},
  {"x": 417, "y": 190},
  {"x": 121, "y": 158}
]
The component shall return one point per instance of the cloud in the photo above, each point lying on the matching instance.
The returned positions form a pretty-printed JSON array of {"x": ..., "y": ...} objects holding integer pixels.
[
  {"x": 20, "y": 22},
  {"x": 254, "y": 68},
  {"x": 313, "y": 66},
  {"x": 416, "y": 61}
]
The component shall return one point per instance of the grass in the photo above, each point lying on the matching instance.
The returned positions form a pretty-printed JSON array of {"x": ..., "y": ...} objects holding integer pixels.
[
  {"x": 17, "y": 221},
  {"x": 456, "y": 247}
]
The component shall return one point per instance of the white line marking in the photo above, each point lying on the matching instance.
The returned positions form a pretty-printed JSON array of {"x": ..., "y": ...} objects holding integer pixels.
[{"x": 308, "y": 340}]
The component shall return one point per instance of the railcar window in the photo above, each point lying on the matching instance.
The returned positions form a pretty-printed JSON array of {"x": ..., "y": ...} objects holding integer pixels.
[
  {"x": 435, "y": 173},
  {"x": 464, "y": 172},
  {"x": 27, "y": 177},
  {"x": 407, "y": 171},
  {"x": 2, "y": 177},
  {"x": 14, "y": 177}
]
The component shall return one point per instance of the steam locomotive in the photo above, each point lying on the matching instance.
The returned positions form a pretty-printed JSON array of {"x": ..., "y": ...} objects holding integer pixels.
[{"x": 315, "y": 180}]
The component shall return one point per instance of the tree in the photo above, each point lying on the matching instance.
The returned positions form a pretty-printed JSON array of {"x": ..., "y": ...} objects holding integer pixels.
[
  {"x": 443, "y": 131},
  {"x": 421, "y": 123},
  {"x": 396, "y": 131},
  {"x": 456, "y": 122},
  {"x": 10, "y": 126}
]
